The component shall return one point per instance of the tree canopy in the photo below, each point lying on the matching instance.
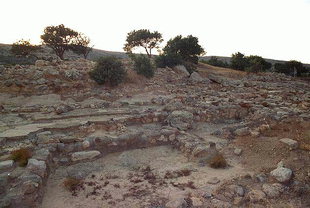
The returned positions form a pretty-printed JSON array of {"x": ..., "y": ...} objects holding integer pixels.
[
  {"x": 186, "y": 47},
  {"x": 59, "y": 38},
  {"x": 143, "y": 38}
]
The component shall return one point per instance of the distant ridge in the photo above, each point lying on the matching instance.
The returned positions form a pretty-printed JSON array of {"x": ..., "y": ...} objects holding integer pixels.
[
  {"x": 94, "y": 54},
  {"x": 227, "y": 59}
]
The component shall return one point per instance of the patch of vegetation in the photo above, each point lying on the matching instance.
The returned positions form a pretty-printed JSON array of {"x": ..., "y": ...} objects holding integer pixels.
[
  {"x": 218, "y": 161},
  {"x": 61, "y": 39},
  {"x": 214, "y": 61},
  {"x": 249, "y": 63},
  {"x": 142, "y": 65},
  {"x": 72, "y": 184},
  {"x": 168, "y": 60},
  {"x": 21, "y": 156},
  {"x": 292, "y": 68},
  {"x": 23, "y": 48},
  {"x": 109, "y": 70},
  {"x": 186, "y": 47}
]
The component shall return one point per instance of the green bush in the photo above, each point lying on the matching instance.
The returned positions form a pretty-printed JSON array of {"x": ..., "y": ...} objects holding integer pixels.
[
  {"x": 167, "y": 60},
  {"x": 142, "y": 65},
  {"x": 109, "y": 70},
  {"x": 214, "y": 61}
]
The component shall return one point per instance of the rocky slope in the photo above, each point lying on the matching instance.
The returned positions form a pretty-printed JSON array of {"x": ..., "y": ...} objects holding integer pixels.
[{"x": 149, "y": 143}]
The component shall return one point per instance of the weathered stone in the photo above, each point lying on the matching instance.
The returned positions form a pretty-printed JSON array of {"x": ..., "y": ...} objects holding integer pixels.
[
  {"x": 6, "y": 165},
  {"x": 242, "y": 131},
  {"x": 273, "y": 190},
  {"x": 213, "y": 180},
  {"x": 181, "y": 70},
  {"x": 282, "y": 174},
  {"x": 256, "y": 196},
  {"x": 182, "y": 120},
  {"x": 290, "y": 142},
  {"x": 237, "y": 151},
  {"x": 85, "y": 155},
  {"x": 37, "y": 167},
  {"x": 177, "y": 203},
  {"x": 195, "y": 77}
]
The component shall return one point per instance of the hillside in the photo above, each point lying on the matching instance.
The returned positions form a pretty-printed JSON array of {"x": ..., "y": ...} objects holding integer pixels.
[
  {"x": 227, "y": 60},
  {"x": 215, "y": 138},
  {"x": 6, "y": 56}
]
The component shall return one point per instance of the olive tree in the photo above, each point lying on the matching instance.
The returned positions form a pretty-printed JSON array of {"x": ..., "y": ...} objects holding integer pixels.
[
  {"x": 59, "y": 38},
  {"x": 185, "y": 47},
  {"x": 143, "y": 38}
]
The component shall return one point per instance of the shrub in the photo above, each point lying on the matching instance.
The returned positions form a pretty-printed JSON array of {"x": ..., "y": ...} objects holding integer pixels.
[
  {"x": 142, "y": 65},
  {"x": 168, "y": 60},
  {"x": 108, "y": 70},
  {"x": 218, "y": 161},
  {"x": 214, "y": 61},
  {"x": 23, "y": 48},
  {"x": 21, "y": 156},
  {"x": 72, "y": 184}
]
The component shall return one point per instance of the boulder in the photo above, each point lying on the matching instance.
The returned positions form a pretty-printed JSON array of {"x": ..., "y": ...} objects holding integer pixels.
[
  {"x": 195, "y": 77},
  {"x": 256, "y": 196},
  {"x": 237, "y": 151},
  {"x": 273, "y": 190},
  {"x": 6, "y": 165},
  {"x": 40, "y": 63},
  {"x": 282, "y": 174},
  {"x": 37, "y": 167},
  {"x": 242, "y": 131},
  {"x": 182, "y": 120},
  {"x": 290, "y": 142},
  {"x": 181, "y": 70},
  {"x": 84, "y": 155}
]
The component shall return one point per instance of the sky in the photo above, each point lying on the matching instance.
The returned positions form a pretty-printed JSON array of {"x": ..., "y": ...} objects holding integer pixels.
[{"x": 277, "y": 29}]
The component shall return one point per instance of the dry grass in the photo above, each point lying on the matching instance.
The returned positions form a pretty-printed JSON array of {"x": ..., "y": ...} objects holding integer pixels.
[
  {"x": 218, "y": 161},
  {"x": 21, "y": 156},
  {"x": 133, "y": 77},
  {"x": 72, "y": 184}
]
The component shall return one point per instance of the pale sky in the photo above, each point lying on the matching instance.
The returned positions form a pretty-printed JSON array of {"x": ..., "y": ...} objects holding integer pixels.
[{"x": 278, "y": 29}]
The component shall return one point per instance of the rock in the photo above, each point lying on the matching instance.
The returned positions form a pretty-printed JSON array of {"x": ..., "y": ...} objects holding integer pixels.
[
  {"x": 290, "y": 142},
  {"x": 73, "y": 74},
  {"x": 213, "y": 180},
  {"x": 195, "y": 77},
  {"x": 273, "y": 190},
  {"x": 40, "y": 63},
  {"x": 37, "y": 167},
  {"x": 63, "y": 109},
  {"x": 42, "y": 154},
  {"x": 242, "y": 131},
  {"x": 261, "y": 177},
  {"x": 256, "y": 196},
  {"x": 181, "y": 69},
  {"x": 84, "y": 155},
  {"x": 46, "y": 137},
  {"x": 81, "y": 170},
  {"x": 220, "y": 204},
  {"x": 237, "y": 151},
  {"x": 282, "y": 174},
  {"x": 196, "y": 202},
  {"x": 6, "y": 165},
  {"x": 182, "y": 120},
  {"x": 129, "y": 161},
  {"x": 3, "y": 182},
  {"x": 177, "y": 203}
]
